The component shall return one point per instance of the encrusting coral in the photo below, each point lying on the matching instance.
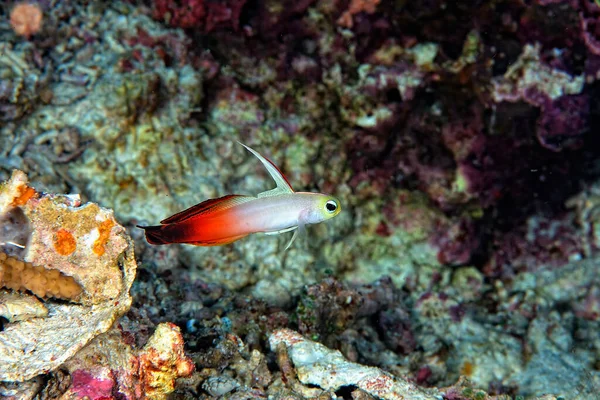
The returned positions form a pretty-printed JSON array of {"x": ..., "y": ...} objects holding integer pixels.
[{"x": 20, "y": 275}]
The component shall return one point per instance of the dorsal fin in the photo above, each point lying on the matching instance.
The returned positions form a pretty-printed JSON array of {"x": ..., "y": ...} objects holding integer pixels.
[
  {"x": 208, "y": 206},
  {"x": 283, "y": 185}
]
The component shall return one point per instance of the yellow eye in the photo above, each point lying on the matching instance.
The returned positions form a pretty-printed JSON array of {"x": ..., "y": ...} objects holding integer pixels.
[{"x": 331, "y": 206}]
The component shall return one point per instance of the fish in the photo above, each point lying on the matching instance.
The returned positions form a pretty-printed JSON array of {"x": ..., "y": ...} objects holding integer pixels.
[{"x": 227, "y": 219}]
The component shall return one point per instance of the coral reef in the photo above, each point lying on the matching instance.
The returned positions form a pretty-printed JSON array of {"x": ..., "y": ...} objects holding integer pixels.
[{"x": 459, "y": 137}]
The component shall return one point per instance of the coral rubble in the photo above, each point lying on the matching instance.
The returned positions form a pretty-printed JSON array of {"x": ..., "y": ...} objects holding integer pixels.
[{"x": 317, "y": 365}]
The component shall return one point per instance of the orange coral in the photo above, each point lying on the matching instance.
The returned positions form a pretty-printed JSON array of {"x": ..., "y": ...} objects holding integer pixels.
[
  {"x": 104, "y": 230},
  {"x": 64, "y": 242},
  {"x": 357, "y": 6},
  {"x": 25, "y": 193},
  {"x": 26, "y": 19}
]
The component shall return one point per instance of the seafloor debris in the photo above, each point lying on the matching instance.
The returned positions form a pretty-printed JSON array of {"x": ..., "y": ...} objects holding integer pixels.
[
  {"x": 82, "y": 255},
  {"x": 328, "y": 369}
]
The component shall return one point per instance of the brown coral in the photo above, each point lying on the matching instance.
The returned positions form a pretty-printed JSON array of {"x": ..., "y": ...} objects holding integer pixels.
[{"x": 20, "y": 275}]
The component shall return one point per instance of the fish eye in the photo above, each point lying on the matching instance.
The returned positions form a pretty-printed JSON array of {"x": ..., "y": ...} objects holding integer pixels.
[{"x": 331, "y": 206}]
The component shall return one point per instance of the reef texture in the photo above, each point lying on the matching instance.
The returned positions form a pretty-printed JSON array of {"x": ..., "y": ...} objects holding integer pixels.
[
  {"x": 461, "y": 138},
  {"x": 81, "y": 254},
  {"x": 319, "y": 366},
  {"x": 110, "y": 364}
]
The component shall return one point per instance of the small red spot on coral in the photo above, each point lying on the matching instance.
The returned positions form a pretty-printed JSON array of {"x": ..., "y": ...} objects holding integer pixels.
[
  {"x": 104, "y": 230},
  {"x": 64, "y": 242},
  {"x": 25, "y": 193},
  {"x": 378, "y": 384}
]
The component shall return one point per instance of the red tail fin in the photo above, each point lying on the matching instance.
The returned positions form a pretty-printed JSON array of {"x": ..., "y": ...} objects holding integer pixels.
[
  {"x": 156, "y": 234},
  {"x": 169, "y": 234}
]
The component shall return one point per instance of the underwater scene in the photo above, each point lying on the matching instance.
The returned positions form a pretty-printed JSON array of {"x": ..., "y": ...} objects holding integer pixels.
[{"x": 300, "y": 199}]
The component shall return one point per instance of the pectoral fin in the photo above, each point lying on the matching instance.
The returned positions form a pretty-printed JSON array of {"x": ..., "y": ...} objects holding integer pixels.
[
  {"x": 283, "y": 185},
  {"x": 281, "y": 231},
  {"x": 301, "y": 231}
]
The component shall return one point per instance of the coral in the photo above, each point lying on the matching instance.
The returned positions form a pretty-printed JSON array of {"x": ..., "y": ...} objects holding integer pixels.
[
  {"x": 110, "y": 364},
  {"x": 162, "y": 361},
  {"x": 22, "y": 86},
  {"x": 355, "y": 7},
  {"x": 187, "y": 14},
  {"x": 563, "y": 122},
  {"x": 26, "y": 19},
  {"x": 19, "y": 307},
  {"x": 219, "y": 385},
  {"x": 541, "y": 243},
  {"x": 58, "y": 232},
  {"x": 529, "y": 78},
  {"x": 19, "y": 275},
  {"x": 586, "y": 209},
  {"x": 328, "y": 309},
  {"x": 199, "y": 14}
]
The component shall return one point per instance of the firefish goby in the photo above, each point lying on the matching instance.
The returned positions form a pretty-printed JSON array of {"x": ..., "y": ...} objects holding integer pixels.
[{"x": 226, "y": 219}]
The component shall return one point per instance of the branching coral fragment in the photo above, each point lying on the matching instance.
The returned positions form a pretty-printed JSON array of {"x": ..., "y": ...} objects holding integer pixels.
[{"x": 20, "y": 275}]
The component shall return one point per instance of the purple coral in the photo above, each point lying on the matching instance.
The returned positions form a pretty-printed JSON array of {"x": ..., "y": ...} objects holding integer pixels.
[
  {"x": 182, "y": 14},
  {"x": 545, "y": 242},
  {"x": 199, "y": 14},
  {"x": 563, "y": 122}
]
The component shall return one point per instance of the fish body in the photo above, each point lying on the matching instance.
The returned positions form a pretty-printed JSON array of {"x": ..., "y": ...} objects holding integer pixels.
[{"x": 229, "y": 218}]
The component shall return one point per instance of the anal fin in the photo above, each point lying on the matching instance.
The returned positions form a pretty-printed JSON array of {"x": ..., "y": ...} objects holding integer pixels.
[{"x": 220, "y": 242}]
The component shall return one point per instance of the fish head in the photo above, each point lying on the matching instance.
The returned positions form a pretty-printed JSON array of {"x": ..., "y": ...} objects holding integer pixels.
[{"x": 323, "y": 207}]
